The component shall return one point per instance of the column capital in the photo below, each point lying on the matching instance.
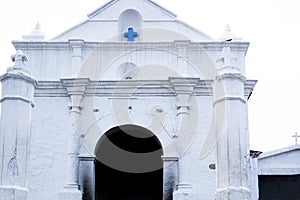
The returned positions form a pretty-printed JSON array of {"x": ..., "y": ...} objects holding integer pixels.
[
  {"x": 75, "y": 86},
  {"x": 183, "y": 89},
  {"x": 76, "y": 90},
  {"x": 183, "y": 85}
]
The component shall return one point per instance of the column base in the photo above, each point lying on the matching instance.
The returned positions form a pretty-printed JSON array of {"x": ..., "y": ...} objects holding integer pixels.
[
  {"x": 13, "y": 192},
  {"x": 184, "y": 192},
  {"x": 70, "y": 193},
  {"x": 233, "y": 193}
]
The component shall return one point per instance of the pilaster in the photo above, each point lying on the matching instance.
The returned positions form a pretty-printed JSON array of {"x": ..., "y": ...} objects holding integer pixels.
[
  {"x": 76, "y": 47},
  {"x": 233, "y": 143},
  {"x": 16, "y": 107},
  {"x": 183, "y": 89},
  {"x": 182, "y": 46},
  {"x": 76, "y": 91}
]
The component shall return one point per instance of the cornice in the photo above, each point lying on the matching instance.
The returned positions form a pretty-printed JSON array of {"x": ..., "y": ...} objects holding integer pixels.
[
  {"x": 75, "y": 86},
  {"x": 249, "y": 87},
  {"x": 123, "y": 45},
  {"x": 129, "y": 88}
]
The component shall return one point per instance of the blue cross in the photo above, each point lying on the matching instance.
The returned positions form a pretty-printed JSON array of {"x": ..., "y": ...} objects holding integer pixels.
[{"x": 130, "y": 35}]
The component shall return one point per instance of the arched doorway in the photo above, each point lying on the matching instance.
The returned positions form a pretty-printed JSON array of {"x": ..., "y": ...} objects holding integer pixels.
[{"x": 129, "y": 165}]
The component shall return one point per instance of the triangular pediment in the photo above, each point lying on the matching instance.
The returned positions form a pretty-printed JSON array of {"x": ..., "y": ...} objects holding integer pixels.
[
  {"x": 148, "y": 9},
  {"x": 152, "y": 22}
]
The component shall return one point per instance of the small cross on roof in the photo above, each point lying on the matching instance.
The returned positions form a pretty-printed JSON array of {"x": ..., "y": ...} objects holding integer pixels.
[{"x": 296, "y": 136}]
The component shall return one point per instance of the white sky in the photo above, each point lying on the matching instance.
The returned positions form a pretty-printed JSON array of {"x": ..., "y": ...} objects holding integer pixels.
[{"x": 271, "y": 26}]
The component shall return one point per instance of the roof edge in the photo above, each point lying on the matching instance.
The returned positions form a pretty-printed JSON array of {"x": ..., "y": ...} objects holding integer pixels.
[
  {"x": 279, "y": 151},
  {"x": 112, "y": 2},
  {"x": 195, "y": 29},
  {"x": 101, "y": 8},
  {"x": 164, "y": 9},
  {"x": 68, "y": 30}
]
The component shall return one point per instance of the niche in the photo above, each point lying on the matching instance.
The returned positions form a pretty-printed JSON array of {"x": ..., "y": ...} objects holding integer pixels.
[{"x": 130, "y": 19}]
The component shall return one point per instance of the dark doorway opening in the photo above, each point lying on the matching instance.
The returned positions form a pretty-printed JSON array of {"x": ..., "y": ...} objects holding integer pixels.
[
  {"x": 279, "y": 187},
  {"x": 129, "y": 165}
]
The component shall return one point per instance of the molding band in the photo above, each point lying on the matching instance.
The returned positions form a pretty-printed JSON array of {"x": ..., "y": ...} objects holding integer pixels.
[
  {"x": 239, "y": 76},
  {"x": 170, "y": 158},
  {"x": 17, "y": 98},
  {"x": 230, "y": 98}
]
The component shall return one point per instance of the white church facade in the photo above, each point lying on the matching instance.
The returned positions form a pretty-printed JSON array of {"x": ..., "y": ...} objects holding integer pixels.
[{"x": 131, "y": 104}]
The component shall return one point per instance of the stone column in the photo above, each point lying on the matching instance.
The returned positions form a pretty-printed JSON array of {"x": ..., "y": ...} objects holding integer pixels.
[
  {"x": 16, "y": 107},
  {"x": 76, "y": 91},
  {"x": 183, "y": 89},
  {"x": 231, "y": 127}
]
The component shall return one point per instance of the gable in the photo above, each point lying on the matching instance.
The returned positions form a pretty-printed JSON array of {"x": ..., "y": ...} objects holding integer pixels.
[
  {"x": 148, "y": 9},
  {"x": 152, "y": 22}
]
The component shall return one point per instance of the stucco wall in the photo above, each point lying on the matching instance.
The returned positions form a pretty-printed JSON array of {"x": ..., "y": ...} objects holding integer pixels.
[{"x": 48, "y": 148}]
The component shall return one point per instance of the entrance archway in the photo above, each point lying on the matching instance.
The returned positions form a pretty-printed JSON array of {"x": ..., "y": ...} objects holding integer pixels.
[{"x": 129, "y": 165}]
